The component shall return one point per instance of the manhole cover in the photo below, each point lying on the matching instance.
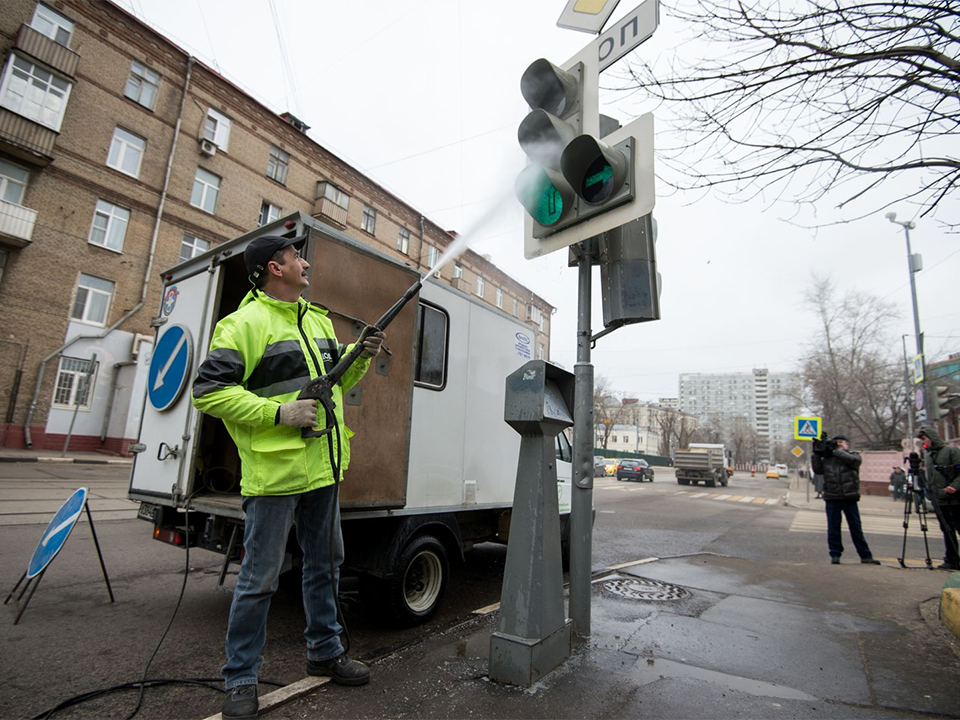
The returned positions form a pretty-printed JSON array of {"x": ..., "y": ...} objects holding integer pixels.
[{"x": 644, "y": 589}]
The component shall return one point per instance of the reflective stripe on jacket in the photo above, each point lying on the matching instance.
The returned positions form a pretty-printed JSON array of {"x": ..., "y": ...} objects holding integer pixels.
[{"x": 260, "y": 356}]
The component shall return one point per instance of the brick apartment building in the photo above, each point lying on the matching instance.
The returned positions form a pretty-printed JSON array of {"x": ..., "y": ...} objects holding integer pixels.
[{"x": 121, "y": 155}]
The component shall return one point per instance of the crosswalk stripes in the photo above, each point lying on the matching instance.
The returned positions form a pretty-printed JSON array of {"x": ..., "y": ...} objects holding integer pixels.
[
  {"x": 816, "y": 522},
  {"x": 747, "y": 499}
]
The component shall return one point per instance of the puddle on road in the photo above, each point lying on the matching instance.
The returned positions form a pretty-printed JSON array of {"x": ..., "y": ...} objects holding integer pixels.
[{"x": 650, "y": 670}]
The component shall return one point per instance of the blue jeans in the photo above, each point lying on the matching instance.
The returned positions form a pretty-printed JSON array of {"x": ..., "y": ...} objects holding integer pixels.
[
  {"x": 266, "y": 528},
  {"x": 851, "y": 511}
]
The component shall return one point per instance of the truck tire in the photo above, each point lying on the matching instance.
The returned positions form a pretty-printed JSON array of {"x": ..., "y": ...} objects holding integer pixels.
[
  {"x": 710, "y": 483},
  {"x": 415, "y": 591},
  {"x": 683, "y": 482}
]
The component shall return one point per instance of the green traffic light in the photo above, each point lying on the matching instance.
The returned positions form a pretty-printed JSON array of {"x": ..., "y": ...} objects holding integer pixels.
[
  {"x": 550, "y": 206},
  {"x": 599, "y": 182}
]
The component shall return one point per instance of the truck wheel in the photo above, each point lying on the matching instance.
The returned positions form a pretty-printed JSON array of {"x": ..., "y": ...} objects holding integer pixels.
[
  {"x": 710, "y": 483},
  {"x": 683, "y": 482},
  {"x": 422, "y": 571}
]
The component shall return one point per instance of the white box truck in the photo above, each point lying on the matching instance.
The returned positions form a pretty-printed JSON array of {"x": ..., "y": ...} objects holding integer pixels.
[{"x": 433, "y": 464}]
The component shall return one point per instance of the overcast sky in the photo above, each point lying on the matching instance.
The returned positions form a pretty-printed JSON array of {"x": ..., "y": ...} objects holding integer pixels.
[{"x": 423, "y": 96}]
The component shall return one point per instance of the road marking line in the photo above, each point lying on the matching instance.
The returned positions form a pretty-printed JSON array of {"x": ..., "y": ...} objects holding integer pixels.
[
  {"x": 773, "y": 501},
  {"x": 735, "y": 498},
  {"x": 722, "y": 497},
  {"x": 747, "y": 498},
  {"x": 806, "y": 521},
  {"x": 760, "y": 501},
  {"x": 698, "y": 495}
]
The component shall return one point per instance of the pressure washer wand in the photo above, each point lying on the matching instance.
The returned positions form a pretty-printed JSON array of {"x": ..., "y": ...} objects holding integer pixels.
[{"x": 321, "y": 388}]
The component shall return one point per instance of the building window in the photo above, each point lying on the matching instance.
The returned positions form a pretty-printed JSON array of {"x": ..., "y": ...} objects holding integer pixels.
[
  {"x": 432, "y": 256},
  {"x": 192, "y": 246},
  {"x": 31, "y": 91},
  {"x": 457, "y": 271},
  {"x": 109, "y": 225},
  {"x": 368, "y": 222},
  {"x": 480, "y": 285},
  {"x": 206, "y": 187},
  {"x": 403, "y": 241},
  {"x": 500, "y": 297},
  {"x": 142, "y": 85},
  {"x": 613, "y": 438},
  {"x": 431, "y": 360},
  {"x": 13, "y": 182},
  {"x": 268, "y": 212},
  {"x": 541, "y": 352},
  {"x": 126, "y": 152},
  {"x": 52, "y": 24},
  {"x": 216, "y": 129},
  {"x": 516, "y": 308},
  {"x": 93, "y": 300},
  {"x": 333, "y": 194},
  {"x": 277, "y": 165},
  {"x": 74, "y": 382}
]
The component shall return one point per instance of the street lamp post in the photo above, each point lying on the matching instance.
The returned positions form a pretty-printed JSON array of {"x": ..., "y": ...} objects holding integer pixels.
[{"x": 907, "y": 227}]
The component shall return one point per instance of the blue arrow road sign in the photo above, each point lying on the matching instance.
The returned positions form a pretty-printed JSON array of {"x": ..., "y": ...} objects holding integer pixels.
[
  {"x": 169, "y": 367},
  {"x": 57, "y": 532},
  {"x": 806, "y": 428}
]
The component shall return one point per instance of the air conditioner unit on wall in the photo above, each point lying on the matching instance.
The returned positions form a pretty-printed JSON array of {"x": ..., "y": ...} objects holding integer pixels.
[{"x": 208, "y": 147}]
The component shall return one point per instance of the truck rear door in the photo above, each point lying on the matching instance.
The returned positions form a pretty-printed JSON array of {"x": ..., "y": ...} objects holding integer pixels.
[{"x": 168, "y": 424}]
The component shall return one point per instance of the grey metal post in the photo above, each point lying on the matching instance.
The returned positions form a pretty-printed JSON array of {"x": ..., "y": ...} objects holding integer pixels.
[
  {"x": 581, "y": 501},
  {"x": 927, "y": 397},
  {"x": 909, "y": 389}
]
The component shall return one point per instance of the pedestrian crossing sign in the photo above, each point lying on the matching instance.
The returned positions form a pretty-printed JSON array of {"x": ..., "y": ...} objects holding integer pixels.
[{"x": 807, "y": 428}]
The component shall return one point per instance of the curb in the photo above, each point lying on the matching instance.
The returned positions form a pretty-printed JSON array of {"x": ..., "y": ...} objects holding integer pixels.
[{"x": 63, "y": 460}]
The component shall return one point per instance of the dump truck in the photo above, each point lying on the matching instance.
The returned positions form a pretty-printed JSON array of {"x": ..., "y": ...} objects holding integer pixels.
[
  {"x": 708, "y": 463},
  {"x": 433, "y": 464}
]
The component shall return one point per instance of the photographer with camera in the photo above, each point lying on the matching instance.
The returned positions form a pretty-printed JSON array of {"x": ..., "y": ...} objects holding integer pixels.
[
  {"x": 840, "y": 468},
  {"x": 942, "y": 463}
]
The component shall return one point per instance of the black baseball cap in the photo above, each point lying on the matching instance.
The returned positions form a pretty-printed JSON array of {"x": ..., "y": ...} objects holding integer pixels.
[
  {"x": 841, "y": 437},
  {"x": 258, "y": 253}
]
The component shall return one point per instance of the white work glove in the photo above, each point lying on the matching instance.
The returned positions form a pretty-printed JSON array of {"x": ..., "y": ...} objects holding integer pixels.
[
  {"x": 298, "y": 414},
  {"x": 371, "y": 344}
]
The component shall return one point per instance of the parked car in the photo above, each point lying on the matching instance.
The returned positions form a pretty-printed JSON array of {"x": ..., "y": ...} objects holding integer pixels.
[
  {"x": 639, "y": 470},
  {"x": 783, "y": 470},
  {"x": 610, "y": 467},
  {"x": 599, "y": 467},
  {"x": 773, "y": 473}
]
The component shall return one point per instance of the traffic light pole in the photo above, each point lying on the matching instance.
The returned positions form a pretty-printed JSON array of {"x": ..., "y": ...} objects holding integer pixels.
[{"x": 581, "y": 501}]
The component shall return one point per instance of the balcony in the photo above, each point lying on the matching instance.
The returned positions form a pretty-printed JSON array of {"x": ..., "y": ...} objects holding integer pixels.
[
  {"x": 55, "y": 56},
  {"x": 16, "y": 224},
  {"x": 324, "y": 208},
  {"x": 25, "y": 139}
]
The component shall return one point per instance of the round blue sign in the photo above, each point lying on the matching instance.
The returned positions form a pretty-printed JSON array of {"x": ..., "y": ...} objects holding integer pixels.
[
  {"x": 169, "y": 367},
  {"x": 57, "y": 532}
]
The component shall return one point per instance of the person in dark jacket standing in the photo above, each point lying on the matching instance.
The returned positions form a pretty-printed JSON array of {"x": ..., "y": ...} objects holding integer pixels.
[
  {"x": 898, "y": 479},
  {"x": 942, "y": 463},
  {"x": 840, "y": 468}
]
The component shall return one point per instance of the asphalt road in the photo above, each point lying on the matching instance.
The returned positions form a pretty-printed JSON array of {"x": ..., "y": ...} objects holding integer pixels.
[{"x": 72, "y": 640}]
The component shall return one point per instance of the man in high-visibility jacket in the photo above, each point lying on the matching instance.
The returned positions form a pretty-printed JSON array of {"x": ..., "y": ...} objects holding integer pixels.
[{"x": 260, "y": 357}]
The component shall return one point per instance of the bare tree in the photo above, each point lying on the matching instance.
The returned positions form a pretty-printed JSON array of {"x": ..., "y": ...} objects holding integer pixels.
[
  {"x": 852, "y": 370},
  {"x": 608, "y": 409},
  {"x": 813, "y": 97}
]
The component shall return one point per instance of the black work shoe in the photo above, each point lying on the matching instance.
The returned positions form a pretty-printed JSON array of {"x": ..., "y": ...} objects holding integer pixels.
[
  {"x": 869, "y": 561},
  {"x": 834, "y": 559},
  {"x": 341, "y": 669},
  {"x": 241, "y": 702},
  {"x": 948, "y": 566}
]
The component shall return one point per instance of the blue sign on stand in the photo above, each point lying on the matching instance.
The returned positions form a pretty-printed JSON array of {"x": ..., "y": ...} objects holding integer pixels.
[
  {"x": 169, "y": 367},
  {"x": 57, "y": 532}
]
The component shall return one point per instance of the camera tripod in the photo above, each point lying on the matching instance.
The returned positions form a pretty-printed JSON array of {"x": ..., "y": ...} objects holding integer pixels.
[{"x": 914, "y": 499}]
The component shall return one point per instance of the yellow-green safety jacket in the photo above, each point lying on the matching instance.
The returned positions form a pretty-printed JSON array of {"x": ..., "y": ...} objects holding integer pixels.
[{"x": 262, "y": 355}]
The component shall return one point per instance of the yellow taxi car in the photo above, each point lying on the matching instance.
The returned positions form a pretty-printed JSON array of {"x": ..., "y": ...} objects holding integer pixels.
[
  {"x": 610, "y": 466},
  {"x": 773, "y": 473}
]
